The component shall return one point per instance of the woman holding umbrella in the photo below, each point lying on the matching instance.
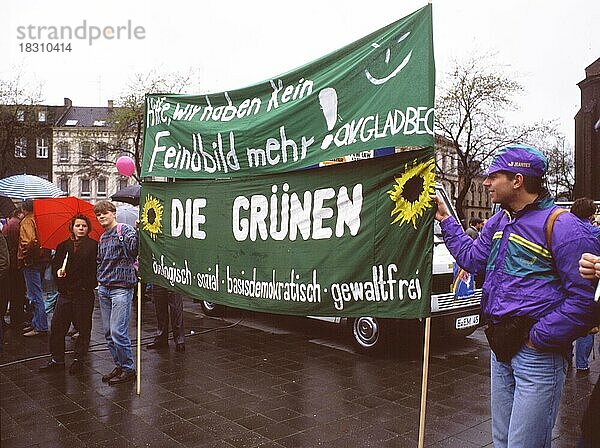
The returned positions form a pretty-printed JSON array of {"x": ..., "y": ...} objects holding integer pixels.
[{"x": 74, "y": 265}]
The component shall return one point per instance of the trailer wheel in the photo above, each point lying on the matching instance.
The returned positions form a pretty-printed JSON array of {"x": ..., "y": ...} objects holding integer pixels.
[{"x": 212, "y": 309}]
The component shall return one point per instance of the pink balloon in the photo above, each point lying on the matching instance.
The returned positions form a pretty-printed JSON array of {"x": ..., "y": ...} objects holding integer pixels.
[{"x": 125, "y": 165}]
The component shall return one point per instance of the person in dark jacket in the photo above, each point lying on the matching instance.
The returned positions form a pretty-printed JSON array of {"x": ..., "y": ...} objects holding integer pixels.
[
  {"x": 475, "y": 226},
  {"x": 534, "y": 301},
  {"x": 4, "y": 265},
  {"x": 589, "y": 268},
  {"x": 168, "y": 304},
  {"x": 74, "y": 266},
  {"x": 15, "y": 287},
  {"x": 585, "y": 209}
]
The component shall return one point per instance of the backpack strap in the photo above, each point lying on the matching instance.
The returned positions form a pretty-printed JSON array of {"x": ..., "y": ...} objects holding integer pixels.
[
  {"x": 550, "y": 225},
  {"x": 121, "y": 239}
]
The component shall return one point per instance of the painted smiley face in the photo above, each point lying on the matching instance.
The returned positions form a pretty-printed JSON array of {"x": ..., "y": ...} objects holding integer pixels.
[{"x": 393, "y": 71}]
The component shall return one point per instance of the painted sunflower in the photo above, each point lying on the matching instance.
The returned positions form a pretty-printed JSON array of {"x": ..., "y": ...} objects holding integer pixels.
[
  {"x": 411, "y": 191},
  {"x": 152, "y": 213}
]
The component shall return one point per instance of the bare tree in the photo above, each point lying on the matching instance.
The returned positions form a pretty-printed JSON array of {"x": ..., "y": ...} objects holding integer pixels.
[
  {"x": 128, "y": 118},
  {"x": 17, "y": 104},
  {"x": 560, "y": 175},
  {"x": 470, "y": 115}
]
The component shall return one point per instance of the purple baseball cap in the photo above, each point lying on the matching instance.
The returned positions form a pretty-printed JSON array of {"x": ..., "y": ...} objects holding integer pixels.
[{"x": 519, "y": 159}]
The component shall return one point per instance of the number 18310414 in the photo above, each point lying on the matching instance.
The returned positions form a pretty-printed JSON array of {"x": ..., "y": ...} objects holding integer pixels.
[{"x": 45, "y": 47}]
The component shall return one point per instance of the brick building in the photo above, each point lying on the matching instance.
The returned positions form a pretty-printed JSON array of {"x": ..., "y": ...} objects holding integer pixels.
[
  {"x": 26, "y": 138},
  {"x": 587, "y": 135}
]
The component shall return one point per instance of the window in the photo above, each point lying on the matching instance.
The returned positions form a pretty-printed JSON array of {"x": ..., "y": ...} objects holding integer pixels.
[
  {"x": 63, "y": 184},
  {"x": 42, "y": 115},
  {"x": 86, "y": 150},
  {"x": 20, "y": 115},
  {"x": 20, "y": 147},
  {"x": 122, "y": 183},
  {"x": 85, "y": 188},
  {"x": 101, "y": 187},
  {"x": 101, "y": 152},
  {"x": 41, "y": 148},
  {"x": 63, "y": 152}
]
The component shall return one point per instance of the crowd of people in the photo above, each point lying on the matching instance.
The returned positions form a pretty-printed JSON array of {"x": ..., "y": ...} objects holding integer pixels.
[
  {"x": 78, "y": 268},
  {"x": 539, "y": 266}
]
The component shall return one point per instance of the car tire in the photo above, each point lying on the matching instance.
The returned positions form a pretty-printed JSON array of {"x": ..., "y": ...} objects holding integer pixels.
[
  {"x": 367, "y": 335},
  {"x": 461, "y": 334},
  {"x": 212, "y": 309}
]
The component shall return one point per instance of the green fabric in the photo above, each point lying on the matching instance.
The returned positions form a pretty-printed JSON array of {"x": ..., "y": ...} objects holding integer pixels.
[
  {"x": 321, "y": 235},
  {"x": 374, "y": 93}
]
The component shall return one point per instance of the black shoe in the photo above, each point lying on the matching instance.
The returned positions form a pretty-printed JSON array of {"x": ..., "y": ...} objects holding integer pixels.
[
  {"x": 75, "y": 367},
  {"x": 157, "y": 344},
  {"x": 180, "y": 348},
  {"x": 52, "y": 366},
  {"x": 27, "y": 328},
  {"x": 125, "y": 377},
  {"x": 109, "y": 376}
]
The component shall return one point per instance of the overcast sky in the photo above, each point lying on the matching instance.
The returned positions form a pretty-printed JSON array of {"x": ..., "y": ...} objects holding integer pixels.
[{"x": 545, "y": 45}]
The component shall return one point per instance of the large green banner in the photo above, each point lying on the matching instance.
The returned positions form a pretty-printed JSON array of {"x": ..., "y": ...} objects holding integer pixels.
[
  {"x": 344, "y": 240},
  {"x": 376, "y": 92}
]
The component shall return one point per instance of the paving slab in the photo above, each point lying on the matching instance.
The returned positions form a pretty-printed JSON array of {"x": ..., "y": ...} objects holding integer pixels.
[{"x": 254, "y": 380}]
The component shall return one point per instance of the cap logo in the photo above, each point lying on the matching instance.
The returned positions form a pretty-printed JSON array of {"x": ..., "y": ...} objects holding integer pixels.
[{"x": 520, "y": 164}]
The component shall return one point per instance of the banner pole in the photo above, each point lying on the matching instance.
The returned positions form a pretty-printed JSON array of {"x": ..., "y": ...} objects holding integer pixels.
[
  {"x": 424, "y": 382},
  {"x": 139, "y": 337}
]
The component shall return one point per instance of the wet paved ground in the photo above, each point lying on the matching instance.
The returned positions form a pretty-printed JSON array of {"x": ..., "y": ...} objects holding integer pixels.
[{"x": 269, "y": 381}]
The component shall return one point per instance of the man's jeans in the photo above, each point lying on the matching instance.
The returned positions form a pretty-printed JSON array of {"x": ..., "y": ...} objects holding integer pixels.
[
  {"x": 33, "y": 283},
  {"x": 525, "y": 397},
  {"x": 115, "y": 307},
  {"x": 583, "y": 349}
]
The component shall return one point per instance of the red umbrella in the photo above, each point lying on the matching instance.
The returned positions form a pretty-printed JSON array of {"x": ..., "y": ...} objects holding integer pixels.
[{"x": 53, "y": 216}]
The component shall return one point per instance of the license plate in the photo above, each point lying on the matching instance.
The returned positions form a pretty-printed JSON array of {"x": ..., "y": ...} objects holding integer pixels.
[{"x": 467, "y": 321}]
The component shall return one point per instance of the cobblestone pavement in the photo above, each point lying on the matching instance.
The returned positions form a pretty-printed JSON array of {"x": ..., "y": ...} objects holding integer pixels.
[{"x": 269, "y": 381}]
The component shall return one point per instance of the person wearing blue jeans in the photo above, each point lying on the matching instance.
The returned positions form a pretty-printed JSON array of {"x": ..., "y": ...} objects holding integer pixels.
[
  {"x": 585, "y": 209},
  {"x": 583, "y": 349},
  {"x": 589, "y": 268},
  {"x": 528, "y": 388},
  {"x": 534, "y": 302},
  {"x": 117, "y": 251},
  {"x": 32, "y": 259},
  {"x": 115, "y": 308},
  {"x": 33, "y": 283}
]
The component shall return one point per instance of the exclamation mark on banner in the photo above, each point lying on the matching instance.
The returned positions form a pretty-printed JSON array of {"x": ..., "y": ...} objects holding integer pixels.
[{"x": 329, "y": 103}]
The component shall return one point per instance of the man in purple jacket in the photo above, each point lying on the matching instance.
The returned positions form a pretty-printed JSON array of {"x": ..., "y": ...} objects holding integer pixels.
[{"x": 534, "y": 301}]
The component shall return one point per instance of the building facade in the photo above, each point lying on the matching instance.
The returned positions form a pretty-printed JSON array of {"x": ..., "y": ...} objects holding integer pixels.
[
  {"x": 477, "y": 203},
  {"x": 85, "y": 149},
  {"x": 587, "y": 135},
  {"x": 26, "y": 138}
]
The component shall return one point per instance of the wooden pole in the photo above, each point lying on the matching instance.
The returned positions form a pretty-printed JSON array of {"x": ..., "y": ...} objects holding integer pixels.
[
  {"x": 139, "y": 338},
  {"x": 424, "y": 381}
]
